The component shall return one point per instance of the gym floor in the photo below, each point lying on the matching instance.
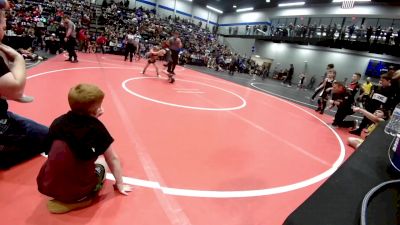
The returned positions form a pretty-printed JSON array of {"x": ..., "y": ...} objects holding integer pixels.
[{"x": 208, "y": 149}]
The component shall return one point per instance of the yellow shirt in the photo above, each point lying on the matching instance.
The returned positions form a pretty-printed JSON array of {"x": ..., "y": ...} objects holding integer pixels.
[
  {"x": 371, "y": 128},
  {"x": 367, "y": 88},
  {"x": 367, "y": 131}
]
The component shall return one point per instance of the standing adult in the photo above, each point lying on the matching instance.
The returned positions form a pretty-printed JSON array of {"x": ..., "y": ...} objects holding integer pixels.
[
  {"x": 175, "y": 44},
  {"x": 265, "y": 71},
  {"x": 130, "y": 47},
  {"x": 369, "y": 33},
  {"x": 20, "y": 138},
  {"x": 289, "y": 76},
  {"x": 232, "y": 64},
  {"x": 136, "y": 43},
  {"x": 70, "y": 39}
]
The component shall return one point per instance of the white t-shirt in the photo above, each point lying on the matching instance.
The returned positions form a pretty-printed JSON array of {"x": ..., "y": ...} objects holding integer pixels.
[
  {"x": 130, "y": 38},
  {"x": 136, "y": 39}
]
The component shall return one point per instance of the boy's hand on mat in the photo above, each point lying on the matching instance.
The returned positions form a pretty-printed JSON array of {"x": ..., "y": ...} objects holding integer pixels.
[{"x": 123, "y": 188}]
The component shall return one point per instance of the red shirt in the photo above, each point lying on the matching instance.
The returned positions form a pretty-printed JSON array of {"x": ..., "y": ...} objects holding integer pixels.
[
  {"x": 101, "y": 40},
  {"x": 82, "y": 35},
  {"x": 64, "y": 177}
]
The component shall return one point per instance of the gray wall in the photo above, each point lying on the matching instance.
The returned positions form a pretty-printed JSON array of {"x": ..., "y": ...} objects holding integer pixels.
[
  {"x": 370, "y": 10},
  {"x": 241, "y": 46},
  {"x": 346, "y": 61},
  {"x": 324, "y": 10}
]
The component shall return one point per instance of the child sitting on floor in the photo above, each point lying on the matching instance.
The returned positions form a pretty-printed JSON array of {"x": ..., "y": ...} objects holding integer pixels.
[
  {"x": 70, "y": 174},
  {"x": 378, "y": 116}
]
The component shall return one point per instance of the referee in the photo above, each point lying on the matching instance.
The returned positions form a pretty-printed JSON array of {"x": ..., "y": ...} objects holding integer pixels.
[
  {"x": 70, "y": 39},
  {"x": 175, "y": 44}
]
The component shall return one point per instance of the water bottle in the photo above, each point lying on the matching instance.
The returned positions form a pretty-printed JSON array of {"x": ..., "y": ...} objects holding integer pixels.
[
  {"x": 395, "y": 158},
  {"x": 393, "y": 126}
]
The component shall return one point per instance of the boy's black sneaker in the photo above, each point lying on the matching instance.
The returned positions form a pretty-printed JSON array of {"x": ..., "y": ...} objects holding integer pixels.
[{"x": 355, "y": 132}]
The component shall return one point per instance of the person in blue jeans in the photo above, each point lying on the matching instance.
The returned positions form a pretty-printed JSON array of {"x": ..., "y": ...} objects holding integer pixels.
[{"x": 20, "y": 138}]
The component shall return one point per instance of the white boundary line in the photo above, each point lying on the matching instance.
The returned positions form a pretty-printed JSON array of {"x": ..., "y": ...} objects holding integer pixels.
[
  {"x": 230, "y": 194},
  {"x": 190, "y": 92},
  {"x": 184, "y": 106},
  {"x": 168, "y": 203}
]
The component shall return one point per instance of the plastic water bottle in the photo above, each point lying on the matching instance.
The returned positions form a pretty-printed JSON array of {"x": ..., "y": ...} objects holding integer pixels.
[{"x": 393, "y": 126}]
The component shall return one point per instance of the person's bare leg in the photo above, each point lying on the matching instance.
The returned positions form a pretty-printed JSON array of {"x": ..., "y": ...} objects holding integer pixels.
[
  {"x": 158, "y": 75},
  {"x": 354, "y": 142},
  {"x": 145, "y": 68}
]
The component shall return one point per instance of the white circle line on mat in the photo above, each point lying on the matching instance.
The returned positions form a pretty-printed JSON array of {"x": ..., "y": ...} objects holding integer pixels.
[{"x": 227, "y": 194}]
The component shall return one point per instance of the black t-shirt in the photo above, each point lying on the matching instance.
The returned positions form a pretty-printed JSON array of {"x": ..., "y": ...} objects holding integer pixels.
[
  {"x": 382, "y": 97},
  {"x": 345, "y": 98},
  {"x": 3, "y": 103},
  {"x": 85, "y": 135}
]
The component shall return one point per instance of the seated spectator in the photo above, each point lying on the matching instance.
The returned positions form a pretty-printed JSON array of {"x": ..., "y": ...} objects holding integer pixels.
[
  {"x": 28, "y": 54},
  {"x": 92, "y": 47},
  {"x": 21, "y": 138},
  {"x": 52, "y": 44},
  {"x": 378, "y": 116}
]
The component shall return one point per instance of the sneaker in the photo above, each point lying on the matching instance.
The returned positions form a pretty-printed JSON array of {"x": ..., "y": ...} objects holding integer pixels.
[
  {"x": 68, "y": 60},
  {"x": 158, "y": 75},
  {"x": 355, "y": 132},
  {"x": 172, "y": 80},
  {"x": 172, "y": 72},
  {"x": 55, "y": 206},
  {"x": 75, "y": 61},
  {"x": 142, "y": 72},
  {"x": 25, "y": 99},
  {"x": 3, "y": 121}
]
